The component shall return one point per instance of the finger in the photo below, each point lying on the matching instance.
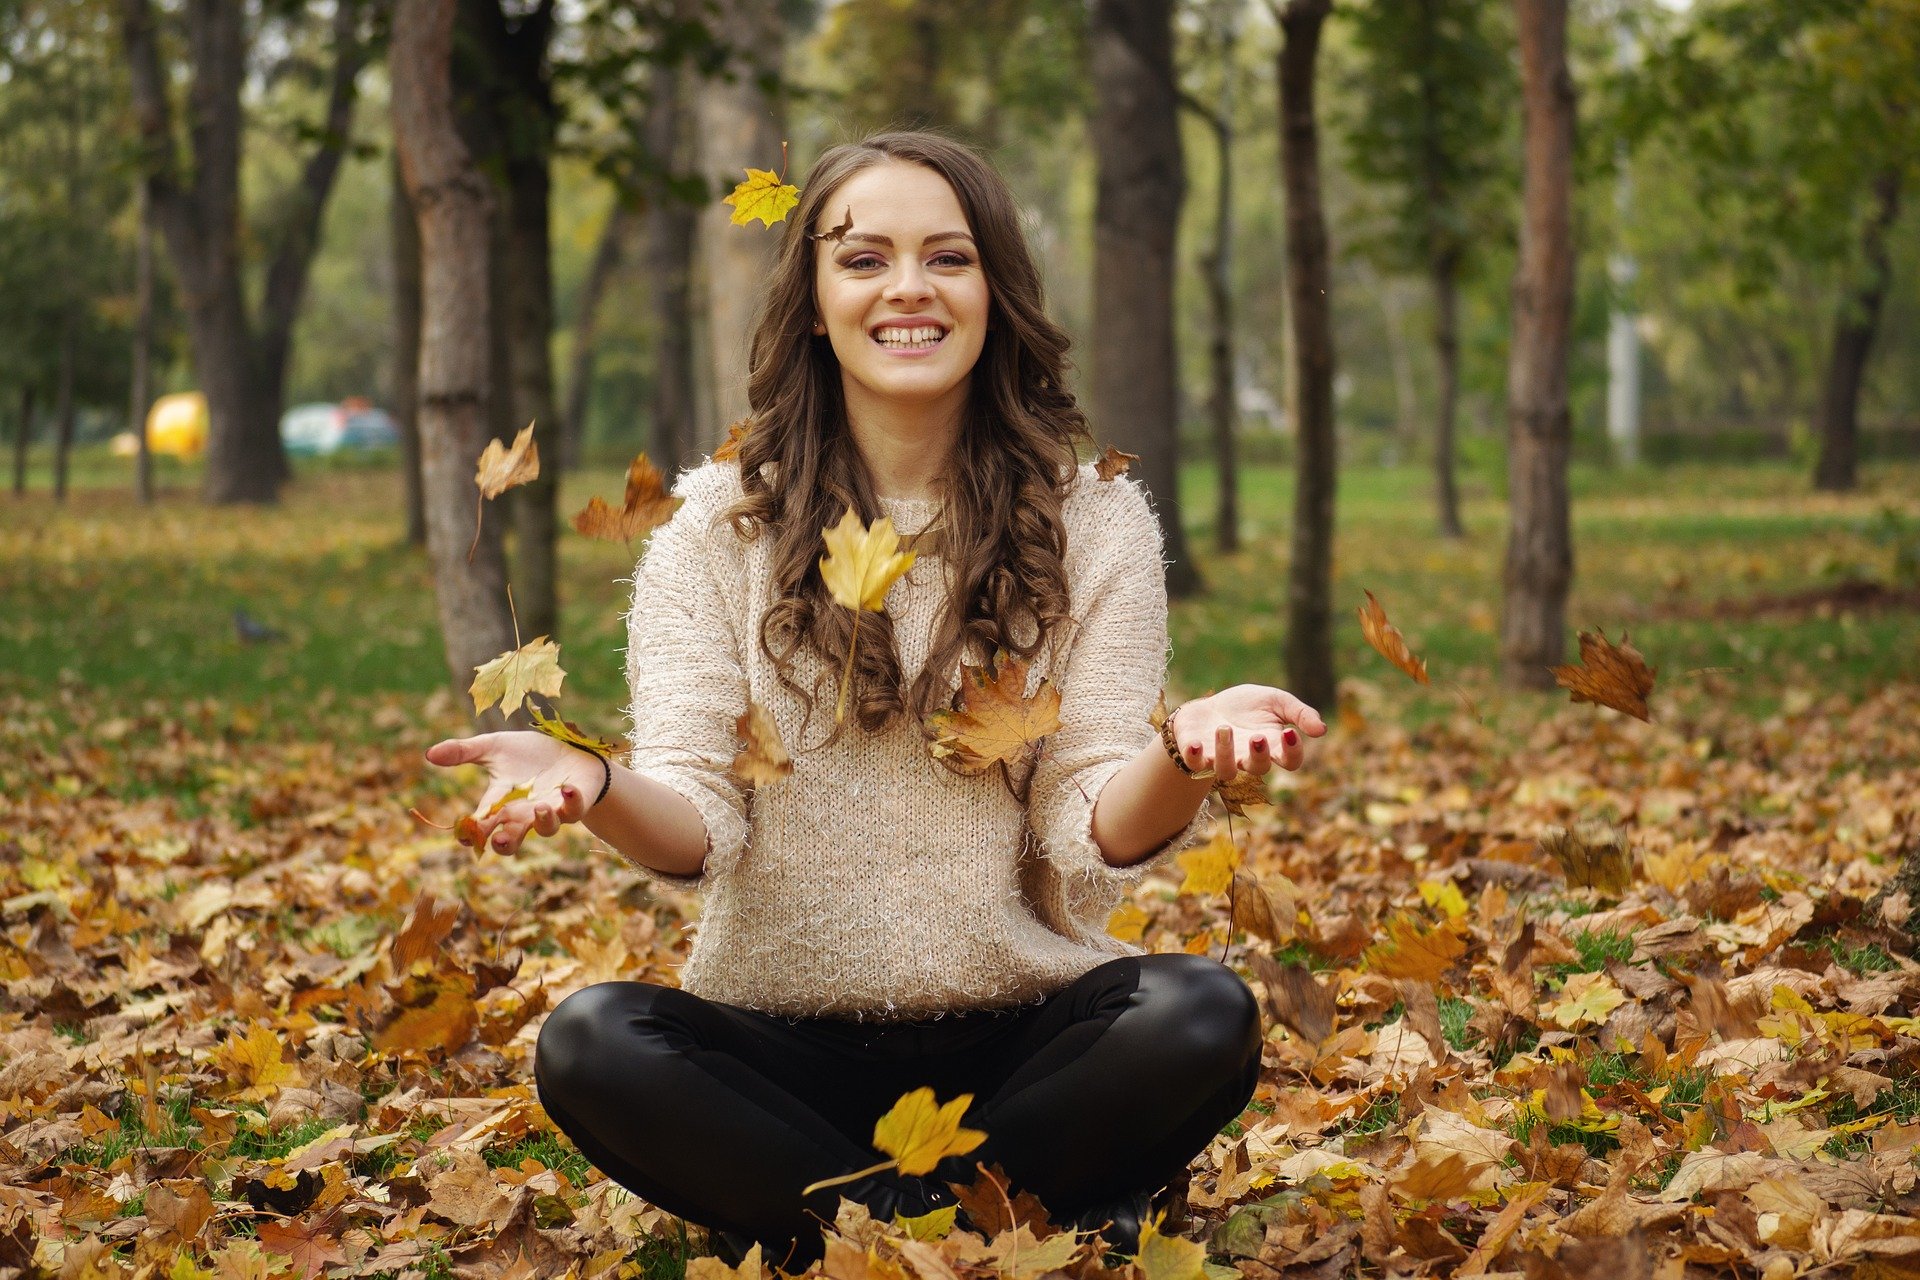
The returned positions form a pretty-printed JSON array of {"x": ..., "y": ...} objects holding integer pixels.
[
  {"x": 1293, "y": 748},
  {"x": 454, "y": 751},
  {"x": 573, "y": 805},
  {"x": 1294, "y": 711},
  {"x": 1259, "y": 754},
  {"x": 495, "y": 792},
  {"x": 1223, "y": 766},
  {"x": 509, "y": 833},
  {"x": 545, "y": 820}
]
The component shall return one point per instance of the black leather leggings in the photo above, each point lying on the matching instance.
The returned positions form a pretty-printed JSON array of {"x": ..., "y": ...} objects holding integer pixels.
[{"x": 720, "y": 1114}]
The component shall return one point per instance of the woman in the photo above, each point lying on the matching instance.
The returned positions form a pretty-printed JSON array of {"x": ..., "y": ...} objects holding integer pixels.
[{"x": 879, "y": 920}]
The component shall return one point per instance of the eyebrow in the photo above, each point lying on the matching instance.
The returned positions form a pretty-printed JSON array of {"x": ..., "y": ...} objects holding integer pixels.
[{"x": 869, "y": 238}]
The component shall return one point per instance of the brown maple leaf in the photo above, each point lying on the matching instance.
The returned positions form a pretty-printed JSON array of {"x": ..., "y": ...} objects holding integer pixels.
[
  {"x": 996, "y": 721},
  {"x": 839, "y": 232},
  {"x": 426, "y": 928},
  {"x": 1592, "y": 857},
  {"x": 500, "y": 468},
  {"x": 1114, "y": 463},
  {"x": 646, "y": 505},
  {"x": 764, "y": 759},
  {"x": 730, "y": 447},
  {"x": 1387, "y": 640},
  {"x": 1610, "y": 675}
]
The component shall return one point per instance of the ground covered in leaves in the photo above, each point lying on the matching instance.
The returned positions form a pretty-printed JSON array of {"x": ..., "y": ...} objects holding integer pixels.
[{"x": 1548, "y": 991}]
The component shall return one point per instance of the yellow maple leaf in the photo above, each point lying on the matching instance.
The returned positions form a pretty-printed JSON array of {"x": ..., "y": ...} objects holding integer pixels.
[
  {"x": 253, "y": 1061},
  {"x": 1128, "y": 921},
  {"x": 1587, "y": 998},
  {"x": 859, "y": 566},
  {"x": 1210, "y": 867},
  {"x": 764, "y": 758},
  {"x": 764, "y": 196},
  {"x": 1409, "y": 951},
  {"x": 532, "y": 668},
  {"x": 996, "y": 720},
  {"x": 919, "y": 1133},
  {"x": 1169, "y": 1257},
  {"x": 572, "y": 734},
  {"x": 1446, "y": 895}
]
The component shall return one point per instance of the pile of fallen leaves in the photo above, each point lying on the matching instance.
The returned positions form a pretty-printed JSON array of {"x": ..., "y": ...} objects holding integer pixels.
[{"x": 1586, "y": 997}]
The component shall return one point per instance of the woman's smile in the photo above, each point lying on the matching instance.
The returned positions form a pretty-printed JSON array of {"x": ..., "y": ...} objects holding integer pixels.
[{"x": 909, "y": 341}]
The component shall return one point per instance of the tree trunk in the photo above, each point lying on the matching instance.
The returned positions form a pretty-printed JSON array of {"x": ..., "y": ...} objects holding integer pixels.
[
  {"x": 1539, "y": 563},
  {"x": 453, "y": 202},
  {"x": 606, "y": 260},
  {"x": 671, "y": 227},
  {"x": 140, "y": 394},
  {"x": 1853, "y": 333},
  {"x": 406, "y": 351},
  {"x": 740, "y": 124},
  {"x": 22, "y": 437},
  {"x": 1444, "y": 266},
  {"x": 240, "y": 372},
  {"x": 63, "y": 402},
  {"x": 1140, "y": 185},
  {"x": 1218, "y": 269},
  {"x": 1309, "y": 644}
]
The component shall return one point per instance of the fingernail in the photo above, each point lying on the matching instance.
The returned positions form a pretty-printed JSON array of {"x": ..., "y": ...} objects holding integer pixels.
[
  {"x": 566, "y": 789},
  {"x": 1289, "y": 737},
  {"x": 499, "y": 842},
  {"x": 1260, "y": 744}
]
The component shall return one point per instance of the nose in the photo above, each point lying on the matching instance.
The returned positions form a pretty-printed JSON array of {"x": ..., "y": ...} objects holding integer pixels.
[{"x": 909, "y": 283}]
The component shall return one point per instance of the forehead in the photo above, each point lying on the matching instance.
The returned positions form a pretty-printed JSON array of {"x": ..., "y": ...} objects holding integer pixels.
[{"x": 901, "y": 201}]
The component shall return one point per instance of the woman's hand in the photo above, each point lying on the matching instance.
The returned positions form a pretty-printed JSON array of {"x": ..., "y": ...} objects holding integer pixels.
[
  {"x": 1236, "y": 730},
  {"x": 561, "y": 783}
]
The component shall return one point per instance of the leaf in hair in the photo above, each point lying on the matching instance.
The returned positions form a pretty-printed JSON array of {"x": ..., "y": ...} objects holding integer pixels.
[{"x": 1114, "y": 463}]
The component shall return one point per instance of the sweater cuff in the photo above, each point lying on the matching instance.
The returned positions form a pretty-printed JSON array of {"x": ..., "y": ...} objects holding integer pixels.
[{"x": 1074, "y": 849}]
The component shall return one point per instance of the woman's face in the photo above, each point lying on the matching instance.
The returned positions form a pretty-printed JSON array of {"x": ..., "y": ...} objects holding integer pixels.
[{"x": 902, "y": 294}]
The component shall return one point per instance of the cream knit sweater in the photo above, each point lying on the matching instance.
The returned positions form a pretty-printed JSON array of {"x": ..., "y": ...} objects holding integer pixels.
[{"x": 873, "y": 883}]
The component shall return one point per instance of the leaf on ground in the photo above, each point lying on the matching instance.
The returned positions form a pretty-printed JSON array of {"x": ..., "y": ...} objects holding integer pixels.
[
  {"x": 1113, "y": 463},
  {"x": 1588, "y": 999},
  {"x": 507, "y": 680},
  {"x": 253, "y": 1060},
  {"x": 1409, "y": 950},
  {"x": 1591, "y": 857},
  {"x": 919, "y": 1133},
  {"x": 1209, "y": 869},
  {"x": 446, "y": 1023},
  {"x": 1387, "y": 640},
  {"x": 1164, "y": 1257},
  {"x": 764, "y": 196},
  {"x": 995, "y": 719},
  {"x": 1609, "y": 675},
  {"x": 764, "y": 759},
  {"x": 647, "y": 504}
]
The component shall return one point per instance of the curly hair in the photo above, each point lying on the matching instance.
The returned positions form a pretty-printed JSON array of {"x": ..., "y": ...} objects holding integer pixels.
[{"x": 1000, "y": 530}]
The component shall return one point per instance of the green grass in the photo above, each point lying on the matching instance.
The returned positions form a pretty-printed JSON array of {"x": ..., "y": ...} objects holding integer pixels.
[
  {"x": 329, "y": 567},
  {"x": 552, "y": 1152},
  {"x": 1454, "y": 1016},
  {"x": 272, "y": 1143},
  {"x": 1596, "y": 948}
]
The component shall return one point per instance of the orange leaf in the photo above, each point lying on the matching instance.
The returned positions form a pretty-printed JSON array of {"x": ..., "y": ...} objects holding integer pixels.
[
  {"x": 1387, "y": 640},
  {"x": 447, "y": 1023},
  {"x": 736, "y": 432},
  {"x": 1609, "y": 675},
  {"x": 1408, "y": 951},
  {"x": 646, "y": 505},
  {"x": 764, "y": 759},
  {"x": 426, "y": 927},
  {"x": 995, "y": 720},
  {"x": 1113, "y": 463}
]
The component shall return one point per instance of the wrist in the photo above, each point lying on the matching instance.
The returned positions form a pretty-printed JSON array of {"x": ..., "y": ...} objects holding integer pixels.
[
  {"x": 1169, "y": 731},
  {"x": 606, "y": 772}
]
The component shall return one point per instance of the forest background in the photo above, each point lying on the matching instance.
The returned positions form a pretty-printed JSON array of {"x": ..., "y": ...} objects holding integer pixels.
[{"x": 1531, "y": 319}]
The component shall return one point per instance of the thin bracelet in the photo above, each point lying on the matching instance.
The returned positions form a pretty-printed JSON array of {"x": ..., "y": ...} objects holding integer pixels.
[{"x": 605, "y": 764}]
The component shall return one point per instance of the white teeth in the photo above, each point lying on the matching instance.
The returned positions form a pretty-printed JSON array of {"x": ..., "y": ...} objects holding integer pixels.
[{"x": 908, "y": 337}]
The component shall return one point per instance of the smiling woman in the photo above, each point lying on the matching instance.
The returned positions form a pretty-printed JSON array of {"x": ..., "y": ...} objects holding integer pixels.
[{"x": 879, "y": 919}]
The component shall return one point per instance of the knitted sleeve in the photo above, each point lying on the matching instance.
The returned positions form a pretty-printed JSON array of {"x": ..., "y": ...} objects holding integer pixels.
[
  {"x": 1115, "y": 670},
  {"x": 684, "y": 672}
]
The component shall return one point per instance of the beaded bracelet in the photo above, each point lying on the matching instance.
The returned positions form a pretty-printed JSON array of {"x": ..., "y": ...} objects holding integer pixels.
[
  {"x": 1173, "y": 748},
  {"x": 605, "y": 764}
]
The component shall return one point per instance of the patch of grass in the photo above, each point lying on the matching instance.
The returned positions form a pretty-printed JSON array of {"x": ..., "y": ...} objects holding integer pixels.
[
  {"x": 1382, "y": 1113},
  {"x": 1454, "y": 1016},
  {"x": 177, "y": 1130},
  {"x": 1595, "y": 948},
  {"x": 1900, "y": 1104},
  {"x": 269, "y": 1143},
  {"x": 1868, "y": 957},
  {"x": 664, "y": 1257},
  {"x": 71, "y": 1032},
  {"x": 550, "y": 1150}
]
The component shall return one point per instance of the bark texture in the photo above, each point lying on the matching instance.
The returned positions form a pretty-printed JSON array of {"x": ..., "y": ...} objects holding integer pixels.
[
  {"x": 740, "y": 124},
  {"x": 1539, "y": 560},
  {"x": 453, "y": 202},
  {"x": 1854, "y": 330},
  {"x": 239, "y": 357},
  {"x": 667, "y": 264},
  {"x": 612, "y": 246},
  {"x": 1140, "y": 185},
  {"x": 1309, "y": 643},
  {"x": 406, "y": 352}
]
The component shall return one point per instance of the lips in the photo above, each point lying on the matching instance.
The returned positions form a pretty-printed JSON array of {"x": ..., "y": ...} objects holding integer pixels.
[{"x": 904, "y": 337}]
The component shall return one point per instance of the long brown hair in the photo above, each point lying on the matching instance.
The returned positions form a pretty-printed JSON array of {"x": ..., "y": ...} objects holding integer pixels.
[{"x": 1001, "y": 533}]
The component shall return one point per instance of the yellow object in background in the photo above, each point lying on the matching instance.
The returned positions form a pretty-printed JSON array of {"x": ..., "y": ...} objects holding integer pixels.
[{"x": 177, "y": 424}]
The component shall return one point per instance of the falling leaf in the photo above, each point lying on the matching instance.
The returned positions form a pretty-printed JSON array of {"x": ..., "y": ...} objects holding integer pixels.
[
  {"x": 646, "y": 505},
  {"x": 507, "y": 680},
  {"x": 253, "y": 1061},
  {"x": 862, "y": 563},
  {"x": 1209, "y": 869},
  {"x": 426, "y": 927},
  {"x": 764, "y": 196},
  {"x": 1410, "y": 951},
  {"x": 1387, "y": 640},
  {"x": 838, "y": 233},
  {"x": 499, "y": 469},
  {"x": 1610, "y": 675},
  {"x": 1113, "y": 463},
  {"x": 568, "y": 732},
  {"x": 919, "y": 1133},
  {"x": 996, "y": 720},
  {"x": 736, "y": 432},
  {"x": 764, "y": 759},
  {"x": 1587, "y": 999},
  {"x": 1591, "y": 858}
]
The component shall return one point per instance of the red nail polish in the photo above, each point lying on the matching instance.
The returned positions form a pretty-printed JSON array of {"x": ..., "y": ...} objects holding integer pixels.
[
  {"x": 1289, "y": 737},
  {"x": 1260, "y": 744}
]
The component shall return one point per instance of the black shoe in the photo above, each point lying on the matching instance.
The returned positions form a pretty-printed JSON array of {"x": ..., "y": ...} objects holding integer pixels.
[{"x": 1118, "y": 1221}]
